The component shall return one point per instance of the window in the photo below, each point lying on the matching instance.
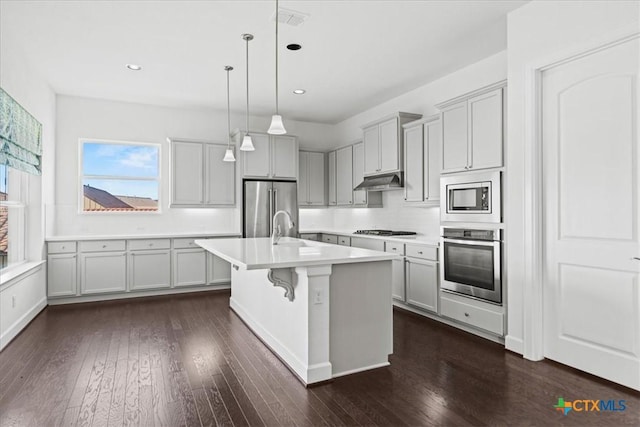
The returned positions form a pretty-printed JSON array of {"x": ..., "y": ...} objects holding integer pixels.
[
  {"x": 119, "y": 176},
  {"x": 13, "y": 190}
]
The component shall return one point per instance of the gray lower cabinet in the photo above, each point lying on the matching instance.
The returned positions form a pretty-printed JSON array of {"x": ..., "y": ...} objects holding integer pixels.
[
  {"x": 422, "y": 283},
  {"x": 103, "y": 272},
  {"x": 61, "y": 275},
  {"x": 149, "y": 264},
  {"x": 330, "y": 238},
  {"x": 95, "y": 267},
  {"x": 398, "y": 279},
  {"x": 218, "y": 271},
  {"x": 310, "y": 236},
  {"x": 189, "y": 267}
]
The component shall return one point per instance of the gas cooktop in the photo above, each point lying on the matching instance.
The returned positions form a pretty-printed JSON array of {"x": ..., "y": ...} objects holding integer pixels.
[{"x": 386, "y": 232}]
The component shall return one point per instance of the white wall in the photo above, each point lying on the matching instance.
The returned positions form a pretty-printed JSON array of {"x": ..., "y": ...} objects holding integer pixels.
[
  {"x": 19, "y": 79},
  {"x": 394, "y": 215},
  {"x": 535, "y": 32},
  {"x": 91, "y": 118}
]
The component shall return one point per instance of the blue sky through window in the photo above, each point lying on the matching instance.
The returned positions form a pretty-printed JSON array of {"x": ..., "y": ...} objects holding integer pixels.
[
  {"x": 113, "y": 160},
  {"x": 120, "y": 160}
]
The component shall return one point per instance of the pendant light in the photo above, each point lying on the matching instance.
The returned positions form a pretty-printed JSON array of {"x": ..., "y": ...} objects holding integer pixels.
[
  {"x": 277, "y": 127},
  {"x": 228, "y": 155},
  {"x": 247, "y": 143}
]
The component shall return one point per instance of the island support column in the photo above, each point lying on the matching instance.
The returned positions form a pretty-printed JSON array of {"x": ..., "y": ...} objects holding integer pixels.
[{"x": 318, "y": 286}]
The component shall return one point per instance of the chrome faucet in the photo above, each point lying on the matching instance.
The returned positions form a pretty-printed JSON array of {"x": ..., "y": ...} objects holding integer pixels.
[{"x": 276, "y": 233}]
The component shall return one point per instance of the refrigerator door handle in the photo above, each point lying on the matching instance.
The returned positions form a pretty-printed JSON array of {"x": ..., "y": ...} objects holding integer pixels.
[
  {"x": 275, "y": 201},
  {"x": 270, "y": 211}
]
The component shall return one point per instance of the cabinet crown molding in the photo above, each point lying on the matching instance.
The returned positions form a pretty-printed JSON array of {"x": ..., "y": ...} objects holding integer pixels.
[
  {"x": 415, "y": 123},
  {"x": 399, "y": 114},
  {"x": 485, "y": 89}
]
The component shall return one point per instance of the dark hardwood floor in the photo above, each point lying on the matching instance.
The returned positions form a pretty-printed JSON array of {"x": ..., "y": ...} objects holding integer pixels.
[{"x": 189, "y": 360}]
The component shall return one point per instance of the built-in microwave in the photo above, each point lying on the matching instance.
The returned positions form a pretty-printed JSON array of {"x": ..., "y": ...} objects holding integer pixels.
[{"x": 471, "y": 197}]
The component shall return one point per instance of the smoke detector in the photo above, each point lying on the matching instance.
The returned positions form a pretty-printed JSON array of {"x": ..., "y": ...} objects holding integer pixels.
[{"x": 290, "y": 17}]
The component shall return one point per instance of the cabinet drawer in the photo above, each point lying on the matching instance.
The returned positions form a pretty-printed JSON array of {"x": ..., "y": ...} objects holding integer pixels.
[
  {"x": 422, "y": 252},
  {"x": 102, "y": 246},
  {"x": 396, "y": 248},
  {"x": 61, "y": 247},
  {"x": 184, "y": 243},
  {"x": 309, "y": 236},
  {"x": 472, "y": 315},
  {"x": 365, "y": 243},
  {"x": 146, "y": 244},
  {"x": 344, "y": 241},
  {"x": 330, "y": 238}
]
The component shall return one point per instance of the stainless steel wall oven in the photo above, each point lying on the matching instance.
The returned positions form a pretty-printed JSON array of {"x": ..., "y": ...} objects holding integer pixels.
[{"x": 472, "y": 263}]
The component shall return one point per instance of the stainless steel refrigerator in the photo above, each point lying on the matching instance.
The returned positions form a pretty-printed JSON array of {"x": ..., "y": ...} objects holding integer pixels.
[{"x": 262, "y": 199}]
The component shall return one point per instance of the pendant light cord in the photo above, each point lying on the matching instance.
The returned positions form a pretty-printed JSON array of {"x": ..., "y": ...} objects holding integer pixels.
[
  {"x": 247, "y": 57},
  {"x": 277, "y": 19},
  {"x": 228, "y": 110}
]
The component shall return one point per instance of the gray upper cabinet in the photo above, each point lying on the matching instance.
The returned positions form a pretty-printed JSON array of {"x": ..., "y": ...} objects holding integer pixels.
[
  {"x": 311, "y": 181},
  {"x": 331, "y": 181},
  {"x": 383, "y": 141},
  {"x": 275, "y": 157},
  {"x": 423, "y": 145},
  {"x": 473, "y": 130},
  {"x": 360, "y": 196},
  {"x": 199, "y": 177},
  {"x": 344, "y": 176}
]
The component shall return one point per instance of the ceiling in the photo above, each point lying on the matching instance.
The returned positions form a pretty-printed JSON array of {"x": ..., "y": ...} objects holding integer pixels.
[{"x": 355, "y": 54}]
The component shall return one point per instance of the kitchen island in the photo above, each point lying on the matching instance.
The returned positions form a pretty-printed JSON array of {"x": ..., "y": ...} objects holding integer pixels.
[{"x": 324, "y": 310}]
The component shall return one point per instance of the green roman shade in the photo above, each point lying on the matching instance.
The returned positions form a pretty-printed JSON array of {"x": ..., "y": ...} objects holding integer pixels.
[{"x": 20, "y": 136}]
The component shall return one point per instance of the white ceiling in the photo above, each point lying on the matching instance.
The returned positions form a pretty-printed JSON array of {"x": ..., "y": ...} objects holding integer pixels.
[{"x": 355, "y": 54}]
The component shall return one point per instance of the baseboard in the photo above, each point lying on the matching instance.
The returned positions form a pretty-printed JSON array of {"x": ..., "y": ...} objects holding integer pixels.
[
  {"x": 21, "y": 323},
  {"x": 355, "y": 371},
  {"x": 137, "y": 294},
  {"x": 514, "y": 344}
]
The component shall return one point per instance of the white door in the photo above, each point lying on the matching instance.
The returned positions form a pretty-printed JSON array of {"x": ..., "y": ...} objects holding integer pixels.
[
  {"x": 591, "y": 217},
  {"x": 422, "y": 284}
]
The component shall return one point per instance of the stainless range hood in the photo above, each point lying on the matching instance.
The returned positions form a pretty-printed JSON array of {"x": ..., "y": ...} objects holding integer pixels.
[{"x": 390, "y": 181}]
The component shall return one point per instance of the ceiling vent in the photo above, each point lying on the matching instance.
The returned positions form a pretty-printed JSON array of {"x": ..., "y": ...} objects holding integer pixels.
[{"x": 290, "y": 17}]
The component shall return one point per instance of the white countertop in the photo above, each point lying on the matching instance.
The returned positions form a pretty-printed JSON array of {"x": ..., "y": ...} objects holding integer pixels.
[
  {"x": 259, "y": 253},
  {"x": 138, "y": 236},
  {"x": 416, "y": 239}
]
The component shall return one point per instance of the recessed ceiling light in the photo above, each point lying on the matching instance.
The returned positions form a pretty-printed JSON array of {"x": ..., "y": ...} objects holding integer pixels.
[
  {"x": 294, "y": 46},
  {"x": 134, "y": 67},
  {"x": 299, "y": 91}
]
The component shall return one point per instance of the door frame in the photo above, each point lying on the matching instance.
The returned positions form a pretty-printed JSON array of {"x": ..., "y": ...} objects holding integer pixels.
[{"x": 533, "y": 310}]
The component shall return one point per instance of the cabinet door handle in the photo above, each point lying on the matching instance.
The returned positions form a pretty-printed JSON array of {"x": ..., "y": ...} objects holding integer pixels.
[
  {"x": 635, "y": 257},
  {"x": 104, "y": 246},
  {"x": 466, "y": 315},
  {"x": 420, "y": 252}
]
